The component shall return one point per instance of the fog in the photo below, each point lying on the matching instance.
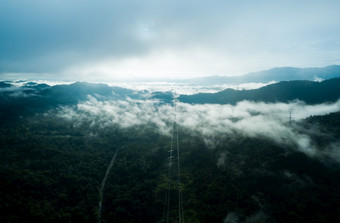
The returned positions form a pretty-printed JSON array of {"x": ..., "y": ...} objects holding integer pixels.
[
  {"x": 234, "y": 218},
  {"x": 276, "y": 121},
  {"x": 186, "y": 88}
]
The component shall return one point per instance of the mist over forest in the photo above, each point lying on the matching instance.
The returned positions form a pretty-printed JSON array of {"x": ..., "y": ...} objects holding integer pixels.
[
  {"x": 90, "y": 152},
  {"x": 169, "y": 111}
]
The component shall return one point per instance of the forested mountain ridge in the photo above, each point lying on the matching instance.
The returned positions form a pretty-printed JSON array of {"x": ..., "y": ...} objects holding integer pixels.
[
  {"x": 39, "y": 97},
  {"x": 33, "y": 97},
  {"x": 308, "y": 91}
]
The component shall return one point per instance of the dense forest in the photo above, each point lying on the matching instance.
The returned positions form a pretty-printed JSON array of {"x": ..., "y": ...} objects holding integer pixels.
[{"x": 52, "y": 167}]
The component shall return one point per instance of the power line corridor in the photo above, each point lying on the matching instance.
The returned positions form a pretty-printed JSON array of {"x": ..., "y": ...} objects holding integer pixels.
[{"x": 174, "y": 176}]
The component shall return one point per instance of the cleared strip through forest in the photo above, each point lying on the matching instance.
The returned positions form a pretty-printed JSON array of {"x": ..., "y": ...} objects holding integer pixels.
[{"x": 102, "y": 186}]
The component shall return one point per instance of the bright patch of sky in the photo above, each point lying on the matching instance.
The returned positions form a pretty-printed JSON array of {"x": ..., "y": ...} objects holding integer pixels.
[{"x": 114, "y": 40}]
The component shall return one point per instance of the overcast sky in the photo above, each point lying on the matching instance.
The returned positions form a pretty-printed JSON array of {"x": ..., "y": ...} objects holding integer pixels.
[{"x": 110, "y": 39}]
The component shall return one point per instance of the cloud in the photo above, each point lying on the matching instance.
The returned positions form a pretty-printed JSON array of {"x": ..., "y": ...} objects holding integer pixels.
[
  {"x": 209, "y": 121},
  {"x": 184, "y": 88},
  {"x": 231, "y": 218},
  {"x": 110, "y": 39},
  {"x": 259, "y": 216},
  {"x": 126, "y": 114}
]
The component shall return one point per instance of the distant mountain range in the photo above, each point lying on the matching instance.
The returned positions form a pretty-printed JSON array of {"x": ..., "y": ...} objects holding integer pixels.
[
  {"x": 308, "y": 91},
  {"x": 32, "y": 97},
  {"x": 274, "y": 74}
]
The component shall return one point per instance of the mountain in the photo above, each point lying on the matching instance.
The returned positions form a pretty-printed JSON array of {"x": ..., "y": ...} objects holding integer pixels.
[
  {"x": 79, "y": 91},
  {"x": 308, "y": 91},
  {"x": 274, "y": 74},
  {"x": 33, "y": 97},
  {"x": 3, "y": 84}
]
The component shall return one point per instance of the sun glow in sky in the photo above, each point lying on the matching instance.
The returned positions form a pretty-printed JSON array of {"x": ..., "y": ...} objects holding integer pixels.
[{"x": 110, "y": 40}]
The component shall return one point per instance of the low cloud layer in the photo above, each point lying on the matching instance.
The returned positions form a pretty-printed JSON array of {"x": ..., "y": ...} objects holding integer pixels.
[
  {"x": 186, "y": 89},
  {"x": 210, "y": 121}
]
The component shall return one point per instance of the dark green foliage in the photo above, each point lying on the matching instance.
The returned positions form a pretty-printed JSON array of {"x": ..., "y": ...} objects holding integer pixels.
[
  {"x": 49, "y": 174},
  {"x": 51, "y": 171},
  {"x": 328, "y": 123}
]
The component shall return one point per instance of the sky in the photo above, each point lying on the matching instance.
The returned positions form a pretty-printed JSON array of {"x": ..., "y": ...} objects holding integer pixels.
[{"x": 159, "y": 39}]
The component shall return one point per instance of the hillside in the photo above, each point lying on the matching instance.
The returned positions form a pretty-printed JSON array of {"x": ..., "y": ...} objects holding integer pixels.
[
  {"x": 308, "y": 91},
  {"x": 32, "y": 97},
  {"x": 51, "y": 170}
]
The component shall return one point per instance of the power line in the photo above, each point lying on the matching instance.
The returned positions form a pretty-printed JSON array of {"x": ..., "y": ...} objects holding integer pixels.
[
  {"x": 180, "y": 202},
  {"x": 167, "y": 195},
  {"x": 167, "y": 202}
]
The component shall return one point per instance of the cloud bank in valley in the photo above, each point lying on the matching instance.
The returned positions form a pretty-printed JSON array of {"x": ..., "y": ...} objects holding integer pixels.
[
  {"x": 187, "y": 89},
  {"x": 210, "y": 121}
]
